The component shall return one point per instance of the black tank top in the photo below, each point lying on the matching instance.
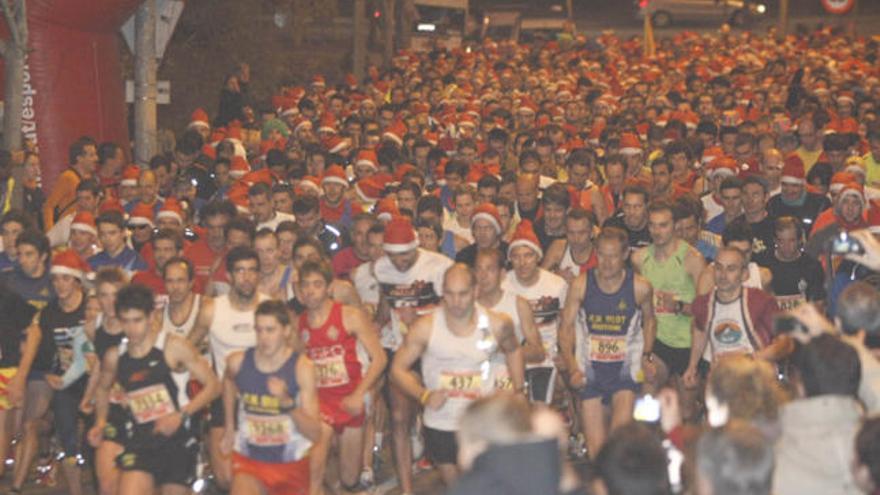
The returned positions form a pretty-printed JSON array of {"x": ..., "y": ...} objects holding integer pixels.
[
  {"x": 151, "y": 393},
  {"x": 104, "y": 341}
]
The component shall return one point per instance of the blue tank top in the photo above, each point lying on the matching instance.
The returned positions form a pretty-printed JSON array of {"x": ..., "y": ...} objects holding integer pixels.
[
  {"x": 266, "y": 431},
  {"x": 612, "y": 323}
]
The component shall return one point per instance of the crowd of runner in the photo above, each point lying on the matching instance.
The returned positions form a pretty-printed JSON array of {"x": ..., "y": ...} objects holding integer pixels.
[{"x": 485, "y": 261}]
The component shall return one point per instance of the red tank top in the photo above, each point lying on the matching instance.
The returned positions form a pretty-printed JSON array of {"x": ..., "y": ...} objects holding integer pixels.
[{"x": 334, "y": 352}]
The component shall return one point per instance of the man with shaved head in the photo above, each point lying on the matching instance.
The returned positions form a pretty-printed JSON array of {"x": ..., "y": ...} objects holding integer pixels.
[
  {"x": 527, "y": 205},
  {"x": 148, "y": 193},
  {"x": 466, "y": 352}
]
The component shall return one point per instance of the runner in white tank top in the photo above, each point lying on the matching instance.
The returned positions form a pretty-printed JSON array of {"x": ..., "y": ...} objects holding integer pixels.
[
  {"x": 170, "y": 328},
  {"x": 456, "y": 344},
  {"x": 183, "y": 329},
  {"x": 458, "y": 364},
  {"x": 231, "y": 330},
  {"x": 490, "y": 272}
]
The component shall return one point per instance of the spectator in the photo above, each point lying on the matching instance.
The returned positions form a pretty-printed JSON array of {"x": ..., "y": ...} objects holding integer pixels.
[
  {"x": 814, "y": 453},
  {"x": 858, "y": 317},
  {"x": 498, "y": 454},
  {"x": 83, "y": 157},
  {"x": 632, "y": 462},
  {"x": 735, "y": 459}
]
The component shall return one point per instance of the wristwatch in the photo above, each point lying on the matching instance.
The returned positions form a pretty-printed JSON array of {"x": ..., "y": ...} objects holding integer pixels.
[
  {"x": 649, "y": 356},
  {"x": 679, "y": 307}
]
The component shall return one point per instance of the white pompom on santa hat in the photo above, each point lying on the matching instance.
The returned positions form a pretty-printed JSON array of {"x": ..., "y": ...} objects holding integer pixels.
[
  {"x": 524, "y": 235},
  {"x": 68, "y": 262}
]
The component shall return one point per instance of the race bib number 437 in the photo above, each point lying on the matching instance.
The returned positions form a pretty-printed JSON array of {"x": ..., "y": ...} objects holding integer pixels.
[{"x": 465, "y": 385}]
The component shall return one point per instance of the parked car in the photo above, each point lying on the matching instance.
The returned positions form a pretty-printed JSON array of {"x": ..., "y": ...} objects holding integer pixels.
[{"x": 666, "y": 12}]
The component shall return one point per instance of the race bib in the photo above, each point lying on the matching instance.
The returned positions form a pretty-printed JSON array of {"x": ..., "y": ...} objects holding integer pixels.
[
  {"x": 607, "y": 348},
  {"x": 462, "y": 384},
  {"x": 501, "y": 379},
  {"x": 268, "y": 431},
  {"x": 786, "y": 303},
  {"x": 150, "y": 403},
  {"x": 331, "y": 371}
]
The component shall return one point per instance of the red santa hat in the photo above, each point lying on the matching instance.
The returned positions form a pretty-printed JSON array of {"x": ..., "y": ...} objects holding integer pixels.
[
  {"x": 369, "y": 189},
  {"x": 309, "y": 183},
  {"x": 852, "y": 189},
  {"x": 130, "y": 176},
  {"x": 386, "y": 209},
  {"x": 238, "y": 167},
  {"x": 723, "y": 165},
  {"x": 524, "y": 235},
  {"x": 328, "y": 123},
  {"x": 171, "y": 209},
  {"x": 84, "y": 222},
  {"x": 68, "y": 262},
  {"x": 335, "y": 175},
  {"x": 337, "y": 144},
  {"x": 395, "y": 132},
  {"x": 111, "y": 204},
  {"x": 793, "y": 170},
  {"x": 400, "y": 237},
  {"x": 318, "y": 80},
  {"x": 840, "y": 179},
  {"x": 141, "y": 214},
  {"x": 367, "y": 157},
  {"x": 199, "y": 118},
  {"x": 629, "y": 144},
  {"x": 489, "y": 212}
]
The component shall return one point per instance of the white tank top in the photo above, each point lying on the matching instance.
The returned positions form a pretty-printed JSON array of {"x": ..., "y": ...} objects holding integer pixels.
[
  {"x": 568, "y": 262},
  {"x": 169, "y": 328},
  {"x": 729, "y": 327},
  {"x": 460, "y": 365},
  {"x": 184, "y": 329},
  {"x": 507, "y": 306},
  {"x": 231, "y": 330},
  {"x": 753, "y": 281}
]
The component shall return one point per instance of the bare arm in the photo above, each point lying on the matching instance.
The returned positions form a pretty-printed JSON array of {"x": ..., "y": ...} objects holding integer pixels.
[
  {"x": 29, "y": 348},
  {"x": 638, "y": 258},
  {"x": 513, "y": 352},
  {"x": 533, "y": 350},
  {"x": 105, "y": 383},
  {"x": 569, "y": 318},
  {"x": 554, "y": 255},
  {"x": 203, "y": 321},
  {"x": 597, "y": 201},
  {"x": 179, "y": 352},
  {"x": 414, "y": 344},
  {"x": 358, "y": 323},
  {"x": 230, "y": 390},
  {"x": 344, "y": 292},
  {"x": 699, "y": 340},
  {"x": 645, "y": 300},
  {"x": 306, "y": 416},
  {"x": 706, "y": 281},
  {"x": 695, "y": 265}
]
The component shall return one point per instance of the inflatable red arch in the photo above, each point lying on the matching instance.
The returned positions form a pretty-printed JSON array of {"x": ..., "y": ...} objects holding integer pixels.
[{"x": 73, "y": 77}]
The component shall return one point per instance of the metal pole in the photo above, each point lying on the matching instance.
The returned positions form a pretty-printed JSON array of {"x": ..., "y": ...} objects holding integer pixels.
[
  {"x": 145, "y": 83},
  {"x": 359, "y": 48},
  {"x": 388, "y": 48},
  {"x": 782, "y": 24}
]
